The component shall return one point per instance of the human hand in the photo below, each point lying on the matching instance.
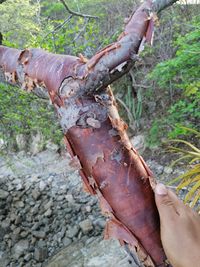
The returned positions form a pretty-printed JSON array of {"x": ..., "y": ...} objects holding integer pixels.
[{"x": 180, "y": 229}]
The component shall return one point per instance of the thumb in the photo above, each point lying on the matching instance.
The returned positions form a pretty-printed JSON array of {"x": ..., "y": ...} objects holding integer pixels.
[{"x": 165, "y": 202}]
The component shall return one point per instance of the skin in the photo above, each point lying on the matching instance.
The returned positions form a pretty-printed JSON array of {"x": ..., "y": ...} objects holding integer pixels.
[{"x": 180, "y": 229}]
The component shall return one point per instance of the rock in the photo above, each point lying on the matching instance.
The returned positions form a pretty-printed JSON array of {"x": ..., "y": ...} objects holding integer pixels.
[
  {"x": 46, "y": 229},
  {"x": 3, "y": 204},
  {"x": 100, "y": 222},
  {"x": 61, "y": 234},
  {"x": 5, "y": 225},
  {"x": 4, "y": 259},
  {"x": 28, "y": 257},
  {"x": 72, "y": 231},
  {"x": 3, "y": 211},
  {"x": 37, "y": 143},
  {"x": 69, "y": 198},
  {"x": 36, "y": 194},
  {"x": 44, "y": 211},
  {"x": 98, "y": 253},
  {"x": 35, "y": 209},
  {"x": 66, "y": 241},
  {"x": 17, "y": 231},
  {"x": 15, "y": 238},
  {"x": 159, "y": 169},
  {"x": 86, "y": 226},
  {"x": 20, "y": 248},
  {"x": 51, "y": 146},
  {"x": 24, "y": 234},
  {"x": 138, "y": 142},
  {"x": 39, "y": 234},
  {"x": 19, "y": 204},
  {"x": 21, "y": 142},
  {"x": 41, "y": 244},
  {"x": 16, "y": 181},
  {"x": 168, "y": 170},
  {"x": 33, "y": 240},
  {"x": 60, "y": 198},
  {"x": 88, "y": 208},
  {"x": 34, "y": 178},
  {"x": 155, "y": 167},
  {"x": 42, "y": 185},
  {"x": 48, "y": 213},
  {"x": 40, "y": 254},
  {"x": 3, "y": 194},
  {"x": 19, "y": 186},
  {"x": 2, "y": 144},
  {"x": 68, "y": 210},
  {"x": 48, "y": 205},
  {"x": 36, "y": 226}
]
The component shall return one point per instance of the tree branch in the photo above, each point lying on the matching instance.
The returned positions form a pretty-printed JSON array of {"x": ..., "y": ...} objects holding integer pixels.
[
  {"x": 77, "y": 13},
  {"x": 59, "y": 27},
  {"x": 159, "y": 5},
  {"x": 95, "y": 135},
  {"x": 117, "y": 59}
]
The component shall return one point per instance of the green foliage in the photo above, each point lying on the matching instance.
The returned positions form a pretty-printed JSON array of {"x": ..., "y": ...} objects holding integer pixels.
[
  {"x": 191, "y": 179},
  {"x": 181, "y": 77},
  {"x": 183, "y": 70},
  {"x": 78, "y": 35},
  {"x": 19, "y": 22},
  {"x": 184, "y": 111},
  {"x": 134, "y": 105},
  {"x": 155, "y": 133},
  {"x": 42, "y": 24},
  {"x": 23, "y": 113}
]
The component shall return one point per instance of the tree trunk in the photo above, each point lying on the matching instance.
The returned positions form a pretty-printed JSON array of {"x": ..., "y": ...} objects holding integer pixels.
[{"x": 95, "y": 135}]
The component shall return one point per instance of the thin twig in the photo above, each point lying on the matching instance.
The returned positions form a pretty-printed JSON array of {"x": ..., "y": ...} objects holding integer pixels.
[
  {"x": 59, "y": 27},
  {"x": 77, "y": 13},
  {"x": 81, "y": 31},
  {"x": 141, "y": 86}
]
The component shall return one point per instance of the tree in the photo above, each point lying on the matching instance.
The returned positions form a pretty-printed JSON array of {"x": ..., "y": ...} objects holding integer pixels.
[
  {"x": 28, "y": 26},
  {"x": 1, "y": 36},
  {"x": 95, "y": 135}
]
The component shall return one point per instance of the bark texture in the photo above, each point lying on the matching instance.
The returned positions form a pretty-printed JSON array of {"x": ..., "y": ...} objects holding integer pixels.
[{"x": 95, "y": 135}]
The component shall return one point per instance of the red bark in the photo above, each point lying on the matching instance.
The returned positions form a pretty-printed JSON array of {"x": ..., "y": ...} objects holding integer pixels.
[{"x": 95, "y": 135}]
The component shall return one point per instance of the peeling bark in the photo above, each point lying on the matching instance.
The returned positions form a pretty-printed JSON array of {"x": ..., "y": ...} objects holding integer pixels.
[{"x": 95, "y": 135}]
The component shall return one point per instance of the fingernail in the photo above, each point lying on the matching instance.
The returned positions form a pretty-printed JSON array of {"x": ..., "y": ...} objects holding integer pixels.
[{"x": 161, "y": 189}]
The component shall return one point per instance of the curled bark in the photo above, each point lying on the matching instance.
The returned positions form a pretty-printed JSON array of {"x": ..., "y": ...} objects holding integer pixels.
[{"x": 95, "y": 135}]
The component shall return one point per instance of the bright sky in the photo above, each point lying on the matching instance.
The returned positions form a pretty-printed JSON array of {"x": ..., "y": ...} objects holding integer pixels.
[{"x": 189, "y": 1}]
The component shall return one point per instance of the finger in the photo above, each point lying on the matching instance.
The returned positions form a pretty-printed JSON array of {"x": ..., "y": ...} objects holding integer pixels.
[
  {"x": 179, "y": 205},
  {"x": 166, "y": 203}
]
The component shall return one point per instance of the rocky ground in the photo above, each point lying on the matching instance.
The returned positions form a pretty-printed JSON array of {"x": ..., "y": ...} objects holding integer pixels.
[{"x": 47, "y": 220}]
